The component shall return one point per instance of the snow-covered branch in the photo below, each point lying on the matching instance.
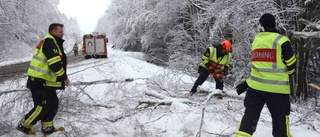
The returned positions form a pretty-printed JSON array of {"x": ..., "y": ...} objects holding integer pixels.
[
  {"x": 306, "y": 35},
  {"x": 165, "y": 99},
  {"x": 315, "y": 86},
  {"x": 196, "y": 5},
  {"x": 12, "y": 91},
  {"x": 104, "y": 81},
  {"x": 203, "y": 110},
  {"x": 310, "y": 24}
]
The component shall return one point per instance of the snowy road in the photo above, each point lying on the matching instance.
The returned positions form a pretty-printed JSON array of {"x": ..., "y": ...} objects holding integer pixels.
[{"x": 14, "y": 70}]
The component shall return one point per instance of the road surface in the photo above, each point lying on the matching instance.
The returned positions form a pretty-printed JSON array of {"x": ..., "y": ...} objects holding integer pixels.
[{"x": 16, "y": 70}]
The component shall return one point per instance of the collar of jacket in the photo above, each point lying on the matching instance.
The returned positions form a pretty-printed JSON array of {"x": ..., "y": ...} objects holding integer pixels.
[
  {"x": 59, "y": 40},
  {"x": 270, "y": 30},
  {"x": 60, "y": 43}
]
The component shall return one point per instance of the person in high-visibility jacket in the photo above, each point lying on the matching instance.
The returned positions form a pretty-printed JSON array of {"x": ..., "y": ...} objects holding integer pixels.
[
  {"x": 272, "y": 61},
  {"x": 215, "y": 61},
  {"x": 75, "y": 49},
  {"x": 46, "y": 73}
]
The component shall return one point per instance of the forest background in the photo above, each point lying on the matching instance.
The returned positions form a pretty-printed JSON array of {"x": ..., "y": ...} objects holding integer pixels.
[{"x": 175, "y": 33}]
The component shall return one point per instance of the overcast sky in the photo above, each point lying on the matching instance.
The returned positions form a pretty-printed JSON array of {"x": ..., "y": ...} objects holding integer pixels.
[{"x": 87, "y": 12}]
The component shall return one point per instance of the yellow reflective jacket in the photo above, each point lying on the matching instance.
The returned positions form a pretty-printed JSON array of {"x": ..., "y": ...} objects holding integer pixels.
[
  {"x": 268, "y": 71},
  {"x": 75, "y": 47},
  {"x": 39, "y": 65},
  {"x": 217, "y": 63}
]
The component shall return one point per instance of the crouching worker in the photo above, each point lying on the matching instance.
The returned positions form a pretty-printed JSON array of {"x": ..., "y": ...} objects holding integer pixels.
[{"x": 215, "y": 61}]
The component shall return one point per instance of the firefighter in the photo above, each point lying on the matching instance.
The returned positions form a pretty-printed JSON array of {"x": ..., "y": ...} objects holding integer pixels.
[
  {"x": 215, "y": 61},
  {"x": 272, "y": 62},
  {"x": 75, "y": 49},
  {"x": 46, "y": 73}
]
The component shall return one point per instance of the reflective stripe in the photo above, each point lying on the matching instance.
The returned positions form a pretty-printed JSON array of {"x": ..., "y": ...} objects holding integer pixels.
[
  {"x": 60, "y": 72},
  {"x": 291, "y": 61},
  {"x": 22, "y": 122},
  {"x": 291, "y": 71},
  {"x": 275, "y": 70},
  {"x": 287, "y": 126},
  {"x": 242, "y": 134},
  {"x": 54, "y": 60},
  {"x": 42, "y": 71},
  {"x": 275, "y": 42},
  {"x": 47, "y": 124},
  {"x": 275, "y": 82},
  {"x": 53, "y": 84},
  {"x": 39, "y": 59},
  {"x": 27, "y": 122}
]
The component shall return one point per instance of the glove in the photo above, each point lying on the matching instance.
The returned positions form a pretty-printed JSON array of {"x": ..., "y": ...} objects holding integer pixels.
[{"x": 242, "y": 87}]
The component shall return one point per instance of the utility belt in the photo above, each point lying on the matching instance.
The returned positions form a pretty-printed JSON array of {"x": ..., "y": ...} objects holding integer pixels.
[
  {"x": 33, "y": 83},
  {"x": 41, "y": 83},
  {"x": 36, "y": 79}
]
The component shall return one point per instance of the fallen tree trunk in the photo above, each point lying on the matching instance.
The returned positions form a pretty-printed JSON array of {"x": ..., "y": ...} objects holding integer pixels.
[
  {"x": 12, "y": 91},
  {"x": 101, "y": 82}
]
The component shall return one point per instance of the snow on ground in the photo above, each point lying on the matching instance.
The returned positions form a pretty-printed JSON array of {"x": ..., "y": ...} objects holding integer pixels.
[
  {"x": 5, "y": 63},
  {"x": 124, "y": 96}
]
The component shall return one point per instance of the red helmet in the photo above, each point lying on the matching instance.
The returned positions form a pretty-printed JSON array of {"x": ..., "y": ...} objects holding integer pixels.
[{"x": 226, "y": 44}]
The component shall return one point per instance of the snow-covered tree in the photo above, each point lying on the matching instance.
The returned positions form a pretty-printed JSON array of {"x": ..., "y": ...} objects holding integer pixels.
[
  {"x": 24, "y": 23},
  {"x": 306, "y": 47},
  {"x": 176, "y": 33}
]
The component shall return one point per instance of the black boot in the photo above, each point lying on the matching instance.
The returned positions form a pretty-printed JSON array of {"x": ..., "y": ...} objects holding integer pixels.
[
  {"x": 25, "y": 130},
  {"x": 47, "y": 130}
]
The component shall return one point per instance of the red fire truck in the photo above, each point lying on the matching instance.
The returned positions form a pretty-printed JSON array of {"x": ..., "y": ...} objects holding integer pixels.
[{"x": 95, "y": 45}]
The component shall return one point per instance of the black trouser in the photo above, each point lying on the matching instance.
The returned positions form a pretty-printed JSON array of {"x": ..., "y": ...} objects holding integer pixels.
[
  {"x": 75, "y": 53},
  {"x": 45, "y": 107},
  {"x": 278, "y": 105},
  {"x": 203, "y": 75}
]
